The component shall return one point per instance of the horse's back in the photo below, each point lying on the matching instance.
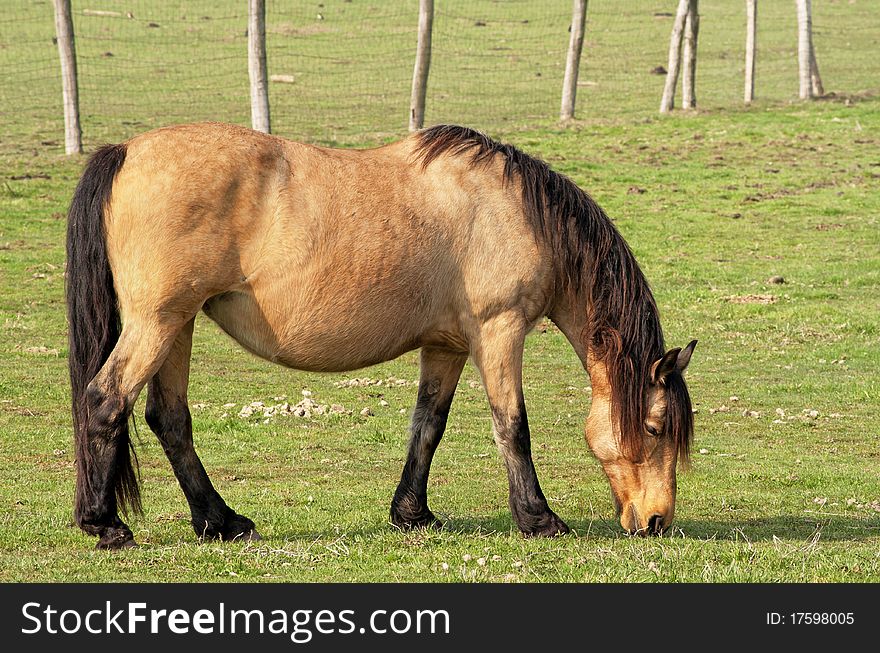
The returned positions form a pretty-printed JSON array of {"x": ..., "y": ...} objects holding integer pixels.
[{"x": 315, "y": 257}]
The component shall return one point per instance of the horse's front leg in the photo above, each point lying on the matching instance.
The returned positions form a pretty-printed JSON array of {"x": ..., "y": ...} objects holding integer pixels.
[
  {"x": 499, "y": 358},
  {"x": 438, "y": 377}
]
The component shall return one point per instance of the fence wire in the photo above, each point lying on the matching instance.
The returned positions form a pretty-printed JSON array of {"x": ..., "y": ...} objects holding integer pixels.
[{"x": 341, "y": 70}]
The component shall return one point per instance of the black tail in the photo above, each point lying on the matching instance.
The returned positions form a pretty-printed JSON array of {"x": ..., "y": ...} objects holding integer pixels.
[{"x": 93, "y": 321}]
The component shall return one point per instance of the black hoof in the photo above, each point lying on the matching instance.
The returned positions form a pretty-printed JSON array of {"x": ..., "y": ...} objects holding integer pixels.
[
  {"x": 409, "y": 510},
  {"x": 116, "y": 538},
  {"x": 237, "y": 527},
  {"x": 546, "y": 525},
  {"x": 423, "y": 519},
  {"x": 250, "y": 536},
  {"x": 234, "y": 527}
]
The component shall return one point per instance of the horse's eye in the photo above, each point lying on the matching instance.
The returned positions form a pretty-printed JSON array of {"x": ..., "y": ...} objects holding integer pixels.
[{"x": 652, "y": 430}]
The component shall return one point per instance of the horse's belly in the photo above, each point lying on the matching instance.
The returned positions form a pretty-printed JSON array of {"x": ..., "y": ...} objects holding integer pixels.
[{"x": 330, "y": 335}]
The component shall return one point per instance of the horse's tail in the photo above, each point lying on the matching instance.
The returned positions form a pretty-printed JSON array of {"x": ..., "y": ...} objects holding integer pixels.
[{"x": 93, "y": 320}]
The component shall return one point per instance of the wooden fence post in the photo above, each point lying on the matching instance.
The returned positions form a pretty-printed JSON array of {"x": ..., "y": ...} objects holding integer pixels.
[
  {"x": 689, "y": 76},
  {"x": 572, "y": 62},
  {"x": 668, "y": 100},
  {"x": 751, "y": 34},
  {"x": 257, "y": 66},
  {"x": 70, "y": 89},
  {"x": 815, "y": 79},
  {"x": 422, "y": 66},
  {"x": 804, "y": 11}
]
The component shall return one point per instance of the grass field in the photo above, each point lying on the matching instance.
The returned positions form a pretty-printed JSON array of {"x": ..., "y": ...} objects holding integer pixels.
[{"x": 785, "y": 482}]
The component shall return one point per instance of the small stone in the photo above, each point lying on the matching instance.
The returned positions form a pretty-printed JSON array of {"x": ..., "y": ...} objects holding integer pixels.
[
  {"x": 481, "y": 562},
  {"x": 366, "y": 412},
  {"x": 444, "y": 566},
  {"x": 704, "y": 451},
  {"x": 384, "y": 403},
  {"x": 776, "y": 279},
  {"x": 467, "y": 557},
  {"x": 306, "y": 393}
]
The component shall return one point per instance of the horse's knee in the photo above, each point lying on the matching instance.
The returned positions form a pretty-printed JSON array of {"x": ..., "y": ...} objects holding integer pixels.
[
  {"x": 512, "y": 434},
  {"x": 107, "y": 411}
]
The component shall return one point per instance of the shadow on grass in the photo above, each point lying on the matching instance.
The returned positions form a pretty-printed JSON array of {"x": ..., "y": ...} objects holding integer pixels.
[{"x": 784, "y": 527}]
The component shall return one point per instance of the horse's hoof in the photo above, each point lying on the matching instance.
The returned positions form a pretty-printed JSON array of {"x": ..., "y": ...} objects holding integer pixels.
[
  {"x": 239, "y": 528},
  {"x": 426, "y": 520},
  {"x": 548, "y": 525},
  {"x": 251, "y": 536},
  {"x": 115, "y": 540}
]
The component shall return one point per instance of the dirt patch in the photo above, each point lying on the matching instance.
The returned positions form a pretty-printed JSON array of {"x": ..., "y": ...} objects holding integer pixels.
[
  {"x": 752, "y": 299},
  {"x": 762, "y": 197},
  {"x": 43, "y": 351}
]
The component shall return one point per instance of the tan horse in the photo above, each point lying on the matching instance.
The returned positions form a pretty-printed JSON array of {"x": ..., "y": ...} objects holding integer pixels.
[{"x": 331, "y": 260}]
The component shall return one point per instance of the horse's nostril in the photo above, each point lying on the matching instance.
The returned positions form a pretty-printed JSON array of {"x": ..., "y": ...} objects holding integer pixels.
[{"x": 655, "y": 523}]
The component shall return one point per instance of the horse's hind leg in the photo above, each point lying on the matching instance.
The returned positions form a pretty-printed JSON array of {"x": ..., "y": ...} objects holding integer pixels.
[
  {"x": 498, "y": 356},
  {"x": 106, "y": 479},
  {"x": 168, "y": 415},
  {"x": 438, "y": 377}
]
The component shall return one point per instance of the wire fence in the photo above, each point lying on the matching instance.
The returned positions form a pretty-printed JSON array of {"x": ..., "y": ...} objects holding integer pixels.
[{"x": 340, "y": 70}]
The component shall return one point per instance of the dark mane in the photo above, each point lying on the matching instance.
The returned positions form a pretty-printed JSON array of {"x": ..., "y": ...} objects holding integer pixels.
[{"x": 592, "y": 261}]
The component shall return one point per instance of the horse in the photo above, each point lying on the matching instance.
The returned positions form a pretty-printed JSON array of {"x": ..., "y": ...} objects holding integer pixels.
[{"x": 332, "y": 260}]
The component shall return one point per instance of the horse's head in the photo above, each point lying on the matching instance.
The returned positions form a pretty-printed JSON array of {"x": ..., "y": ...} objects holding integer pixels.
[{"x": 641, "y": 465}]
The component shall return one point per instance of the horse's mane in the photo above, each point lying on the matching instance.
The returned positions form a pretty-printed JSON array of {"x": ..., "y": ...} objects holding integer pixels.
[{"x": 593, "y": 261}]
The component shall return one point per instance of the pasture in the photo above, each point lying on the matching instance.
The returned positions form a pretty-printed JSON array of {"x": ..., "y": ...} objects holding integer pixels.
[{"x": 785, "y": 479}]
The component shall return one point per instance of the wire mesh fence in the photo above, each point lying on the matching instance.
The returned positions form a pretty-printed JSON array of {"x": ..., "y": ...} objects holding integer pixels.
[{"x": 340, "y": 70}]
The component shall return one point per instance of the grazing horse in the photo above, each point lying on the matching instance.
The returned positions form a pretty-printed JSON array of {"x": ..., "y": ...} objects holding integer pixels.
[{"x": 331, "y": 260}]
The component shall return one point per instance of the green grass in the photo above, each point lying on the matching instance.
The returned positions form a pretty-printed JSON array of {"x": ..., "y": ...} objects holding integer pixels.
[{"x": 713, "y": 203}]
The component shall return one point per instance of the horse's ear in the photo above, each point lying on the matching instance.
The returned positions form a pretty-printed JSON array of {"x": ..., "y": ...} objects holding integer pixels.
[
  {"x": 684, "y": 357},
  {"x": 663, "y": 367}
]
